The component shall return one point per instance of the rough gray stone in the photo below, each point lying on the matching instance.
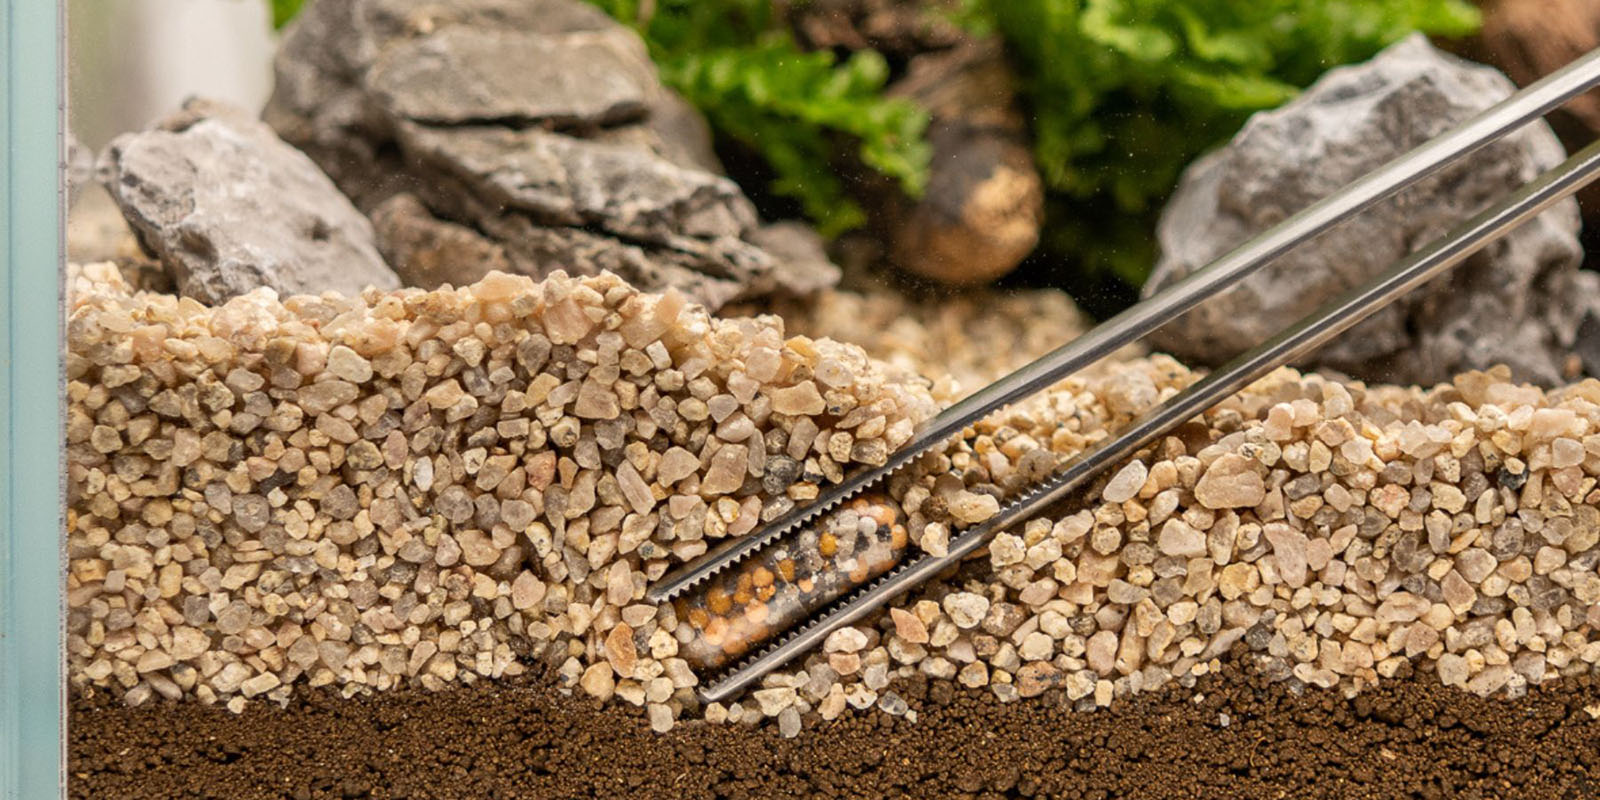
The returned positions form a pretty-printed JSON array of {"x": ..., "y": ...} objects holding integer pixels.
[
  {"x": 466, "y": 74},
  {"x": 530, "y": 133},
  {"x": 427, "y": 251},
  {"x": 227, "y": 207},
  {"x": 1517, "y": 302},
  {"x": 1589, "y": 342},
  {"x": 560, "y": 180},
  {"x": 802, "y": 258}
]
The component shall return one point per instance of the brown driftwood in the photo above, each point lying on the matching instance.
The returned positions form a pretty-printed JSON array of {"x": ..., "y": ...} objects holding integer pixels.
[
  {"x": 1529, "y": 39},
  {"x": 982, "y": 209},
  {"x": 984, "y": 203}
]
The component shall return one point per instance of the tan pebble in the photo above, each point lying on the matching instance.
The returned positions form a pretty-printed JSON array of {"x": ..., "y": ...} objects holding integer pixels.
[
  {"x": 1565, "y": 452},
  {"x": 620, "y": 650},
  {"x": 848, "y": 639},
  {"x": 1289, "y": 550},
  {"x": 676, "y": 464},
  {"x": 966, "y": 609},
  {"x": 1452, "y": 670},
  {"x": 802, "y": 399},
  {"x": 971, "y": 507},
  {"x": 1126, "y": 483},
  {"x": 936, "y": 539},
  {"x": 598, "y": 681},
  {"x": 1101, "y": 652},
  {"x": 477, "y": 548},
  {"x": 619, "y": 584},
  {"x": 596, "y": 400},
  {"x": 1178, "y": 538},
  {"x": 727, "y": 471},
  {"x": 845, "y": 663},
  {"x": 260, "y": 684},
  {"x": 348, "y": 365},
  {"x": 1034, "y": 678},
  {"x": 188, "y": 642},
  {"x": 445, "y": 394},
  {"x": 1230, "y": 482},
  {"x": 1457, "y": 592},
  {"x": 909, "y": 626},
  {"x": 833, "y": 704},
  {"x": 1402, "y": 607},
  {"x": 1006, "y": 549},
  {"x": 661, "y": 719},
  {"x": 774, "y": 700}
]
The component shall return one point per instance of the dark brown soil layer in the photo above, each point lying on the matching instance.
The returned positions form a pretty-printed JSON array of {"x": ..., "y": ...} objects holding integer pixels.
[{"x": 1409, "y": 738}]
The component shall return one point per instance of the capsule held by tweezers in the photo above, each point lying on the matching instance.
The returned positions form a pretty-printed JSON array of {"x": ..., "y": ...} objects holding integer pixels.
[{"x": 735, "y": 612}]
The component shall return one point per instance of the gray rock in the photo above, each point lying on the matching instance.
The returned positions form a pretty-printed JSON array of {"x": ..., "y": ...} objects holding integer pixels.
[
  {"x": 427, "y": 251},
  {"x": 802, "y": 258},
  {"x": 466, "y": 74},
  {"x": 1588, "y": 344},
  {"x": 1517, "y": 302},
  {"x": 530, "y": 134},
  {"x": 560, "y": 180},
  {"x": 227, "y": 207}
]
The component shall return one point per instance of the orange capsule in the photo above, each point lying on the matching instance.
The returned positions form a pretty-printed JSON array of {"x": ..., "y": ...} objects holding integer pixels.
[
  {"x": 881, "y": 514},
  {"x": 897, "y": 537},
  {"x": 715, "y": 630},
  {"x": 756, "y": 613},
  {"x": 698, "y": 618},
  {"x": 761, "y": 577},
  {"x": 735, "y": 647}
]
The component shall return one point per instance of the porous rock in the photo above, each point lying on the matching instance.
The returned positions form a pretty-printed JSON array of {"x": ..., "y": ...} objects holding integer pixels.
[
  {"x": 1519, "y": 301},
  {"x": 228, "y": 207}
]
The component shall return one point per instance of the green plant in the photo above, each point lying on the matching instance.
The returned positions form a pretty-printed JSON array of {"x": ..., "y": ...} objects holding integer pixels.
[
  {"x": 1125, "y": 93},
  {"x": 284, "y": 10},
  {"x": 737, "y": 63}
]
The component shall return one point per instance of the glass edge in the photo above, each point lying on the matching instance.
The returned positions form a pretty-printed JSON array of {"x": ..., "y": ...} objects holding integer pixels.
[{"x": 32, "y": 692}]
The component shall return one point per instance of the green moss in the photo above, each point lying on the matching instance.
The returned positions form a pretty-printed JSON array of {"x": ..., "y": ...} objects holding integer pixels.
[
  {"x": 734, "y": 60},
  {"x": 284, "y": 10}
]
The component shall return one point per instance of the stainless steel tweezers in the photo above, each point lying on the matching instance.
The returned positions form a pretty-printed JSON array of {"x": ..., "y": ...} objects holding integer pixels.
[{"x": 1133, "y": 324}]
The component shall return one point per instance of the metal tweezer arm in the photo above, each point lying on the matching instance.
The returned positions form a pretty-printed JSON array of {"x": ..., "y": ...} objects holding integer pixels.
[
  {"x": 1303, "y": 337},
  {"x": 1136, "y": 322}
]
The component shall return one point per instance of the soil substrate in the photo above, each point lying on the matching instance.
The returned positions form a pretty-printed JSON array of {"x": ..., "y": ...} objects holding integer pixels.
[{"x": 1234, "y": 735}]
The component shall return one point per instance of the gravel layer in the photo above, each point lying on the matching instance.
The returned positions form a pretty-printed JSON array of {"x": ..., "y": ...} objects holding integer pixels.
[
  {"x": 1340, "y": 532},
  {"x": 428, "y": 486},
  {"x": 438, "y": 487},
  {"x": 960, "y": 340}
]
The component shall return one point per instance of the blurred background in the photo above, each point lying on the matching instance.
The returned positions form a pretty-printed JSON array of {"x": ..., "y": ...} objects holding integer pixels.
[
  {"x": 134, "y": 60},
  {"x": 937, "y": 145}
]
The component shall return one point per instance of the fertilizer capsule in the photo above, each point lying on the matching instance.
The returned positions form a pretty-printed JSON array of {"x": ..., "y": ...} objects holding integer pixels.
[{"x": 785, "y": 583}]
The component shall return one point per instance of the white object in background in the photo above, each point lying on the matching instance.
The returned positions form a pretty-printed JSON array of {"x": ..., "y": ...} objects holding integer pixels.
[{"x": 130, "y": 62}]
